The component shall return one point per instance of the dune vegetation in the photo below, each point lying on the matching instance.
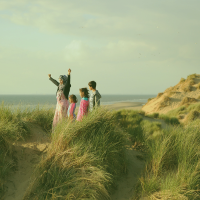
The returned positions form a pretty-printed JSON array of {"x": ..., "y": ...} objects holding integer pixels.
[
  {"x": 186, "y": 92},
  {"x": 85, "y": 159},
  {"x": 172, "y": 163},
  {"x": 14, "y": 126}
]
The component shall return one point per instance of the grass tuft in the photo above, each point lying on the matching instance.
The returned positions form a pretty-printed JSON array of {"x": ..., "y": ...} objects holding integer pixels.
[
  {"x": 192, "y": 115},
  {"x": 188, "y": 100},
  {"x": 150, "y": 99},
  {"x": 188, "y": 88},
  {"x": 198, "y": 86},
  {"x": 153, "y": 115},
  {"x": 172, "y": 164},
  {"x": 192, "y": 76},
  {"x": 83, "y": 161},
  {"x": 182, "y": 80},
  {"x": 159, "y": 94}
]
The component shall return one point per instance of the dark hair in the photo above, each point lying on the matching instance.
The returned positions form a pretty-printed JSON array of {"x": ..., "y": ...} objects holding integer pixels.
[
  {"x": 85, "y": 92},
  {"x": 92, "y": 84},
  {"x": 73, "y": 98}
]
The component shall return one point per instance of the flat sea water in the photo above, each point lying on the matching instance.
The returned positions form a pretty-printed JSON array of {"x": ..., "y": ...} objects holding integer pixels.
[{"x": 50, "y": 100}]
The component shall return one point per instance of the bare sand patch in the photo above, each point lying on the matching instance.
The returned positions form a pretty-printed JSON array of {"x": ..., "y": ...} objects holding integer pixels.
[
  {"x": 125, "y": 105},
  {"x": 28, "y": 154}
]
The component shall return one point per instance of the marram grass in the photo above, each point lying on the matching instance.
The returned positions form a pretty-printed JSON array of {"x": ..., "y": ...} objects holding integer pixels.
[
  {"x": 83, "y": 161},
  {"x": 172, "y": 164},
  {"x": 13, "y": 127}
]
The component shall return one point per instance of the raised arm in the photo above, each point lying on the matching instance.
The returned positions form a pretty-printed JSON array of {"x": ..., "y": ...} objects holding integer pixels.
[
  {"x": 68, "y": 80},
  {"x": 68, "y": 85},
  {"x": 53, "y": 80}
]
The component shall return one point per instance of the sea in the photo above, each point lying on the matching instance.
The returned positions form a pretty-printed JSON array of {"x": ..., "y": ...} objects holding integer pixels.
[{"x": 49, "y": 101}]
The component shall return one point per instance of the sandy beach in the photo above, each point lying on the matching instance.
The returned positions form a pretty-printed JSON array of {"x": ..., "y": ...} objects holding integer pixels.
[
  {"x": 125, "y": 105},
  {"x": 122, "y": 105}
]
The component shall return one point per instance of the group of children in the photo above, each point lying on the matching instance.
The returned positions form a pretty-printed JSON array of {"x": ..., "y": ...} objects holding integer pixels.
[{"x": 63, "y": 109}]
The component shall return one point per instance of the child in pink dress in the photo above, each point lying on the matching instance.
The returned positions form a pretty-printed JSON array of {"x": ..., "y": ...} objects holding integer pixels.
[
  {"x": 84, "y": 104},
  {"x": 73, "y": 100}
]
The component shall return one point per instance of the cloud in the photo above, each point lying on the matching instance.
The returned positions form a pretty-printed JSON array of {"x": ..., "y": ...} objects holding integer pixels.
[
  {"x": 139, "y": 39},
  {"x": 101, "y": 19}
]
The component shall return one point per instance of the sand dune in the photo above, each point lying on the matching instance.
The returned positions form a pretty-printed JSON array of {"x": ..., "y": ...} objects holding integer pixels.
[
  {"x": 28, "y": 154},
  {"x": 187, "y": 91}
]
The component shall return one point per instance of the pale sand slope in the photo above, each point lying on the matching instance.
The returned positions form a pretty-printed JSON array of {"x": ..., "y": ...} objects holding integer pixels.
[
  {"x": 125, "y": 105},
  {"x": 173, "y": 97},
  {"x": 28, "y": 154}
]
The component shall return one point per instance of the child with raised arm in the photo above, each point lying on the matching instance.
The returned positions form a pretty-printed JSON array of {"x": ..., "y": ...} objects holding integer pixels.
[
  {"x": 84, "y": 104},
  {"x": 94, "y": 96},
  {"x": 73, "y": 100}
]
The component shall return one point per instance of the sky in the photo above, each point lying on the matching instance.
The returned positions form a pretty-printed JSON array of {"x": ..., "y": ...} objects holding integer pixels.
[{"x": 126, "y": 46}]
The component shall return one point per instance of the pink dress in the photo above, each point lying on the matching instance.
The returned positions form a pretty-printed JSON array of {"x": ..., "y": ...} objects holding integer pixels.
[
  {"x": 61, "y": 108},
  {"x": 83, "y": 109}
]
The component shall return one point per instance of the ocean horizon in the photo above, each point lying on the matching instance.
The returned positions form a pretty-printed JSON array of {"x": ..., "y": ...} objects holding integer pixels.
[{"x": 27, "y": 100}]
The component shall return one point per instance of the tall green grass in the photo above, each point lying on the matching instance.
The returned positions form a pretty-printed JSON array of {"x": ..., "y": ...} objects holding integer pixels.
[
  {"x": 39, "y": 115},
  {"x": 130, "y": 121},
  {"x": 168, "y": 118},
  {"x": 13, "y": 127},
  {"x": 83, "y": 161},
  {"x": 172, "y": 164}
]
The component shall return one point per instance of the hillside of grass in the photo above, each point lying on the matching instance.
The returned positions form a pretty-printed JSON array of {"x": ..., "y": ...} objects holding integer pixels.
[
  {"x": 186, "y": 92},
  {"x": 14, "y": 126},
  {"x": 85, "y": 159}
]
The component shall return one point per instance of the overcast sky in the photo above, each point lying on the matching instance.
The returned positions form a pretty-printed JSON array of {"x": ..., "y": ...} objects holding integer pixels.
[{"x": 126, "y": 46}]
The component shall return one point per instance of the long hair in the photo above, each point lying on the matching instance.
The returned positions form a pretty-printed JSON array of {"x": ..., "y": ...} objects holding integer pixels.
[
  {"x": 73, "y": 98},
  {"x": 85, "y": 92}
]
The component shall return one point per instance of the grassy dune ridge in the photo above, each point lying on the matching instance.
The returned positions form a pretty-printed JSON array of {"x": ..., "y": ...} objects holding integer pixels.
[
  {"x": 14, "y": 126},
  {"x": 84, "y": 159},
  {"x": 172, "y": 159}
]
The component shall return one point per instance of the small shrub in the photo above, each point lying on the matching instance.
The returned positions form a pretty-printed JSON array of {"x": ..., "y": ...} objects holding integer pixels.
[
  {"x": 172, "y": 93},
  {"x": 181, "y": 116},
  {"x": 150, "y": 127},
  {"x": 198, "y": 86},
  {"x": 195, "y": 106},
  {"x": 182, "y": 80},
  {"x": 130, "y": 122},
  {"x": 166, "y": 98},
  {"x": 192, "y": 76},
  {"x": 150, "y": 99},
  {"x": 187, "y": 88},
  {"x": 192, "y": 82},
  {"x": 159, "y": 94},
  {"x": 188, "y": 100},
  {"x": 164, "y": 102},
  {"x": 192, "y": 115},
  {"x": 170, "y": 120},
  {"x": 40, "y": 116},
  {"x": 153, "y": 115},
  {"x": 141, "y": 112}
]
